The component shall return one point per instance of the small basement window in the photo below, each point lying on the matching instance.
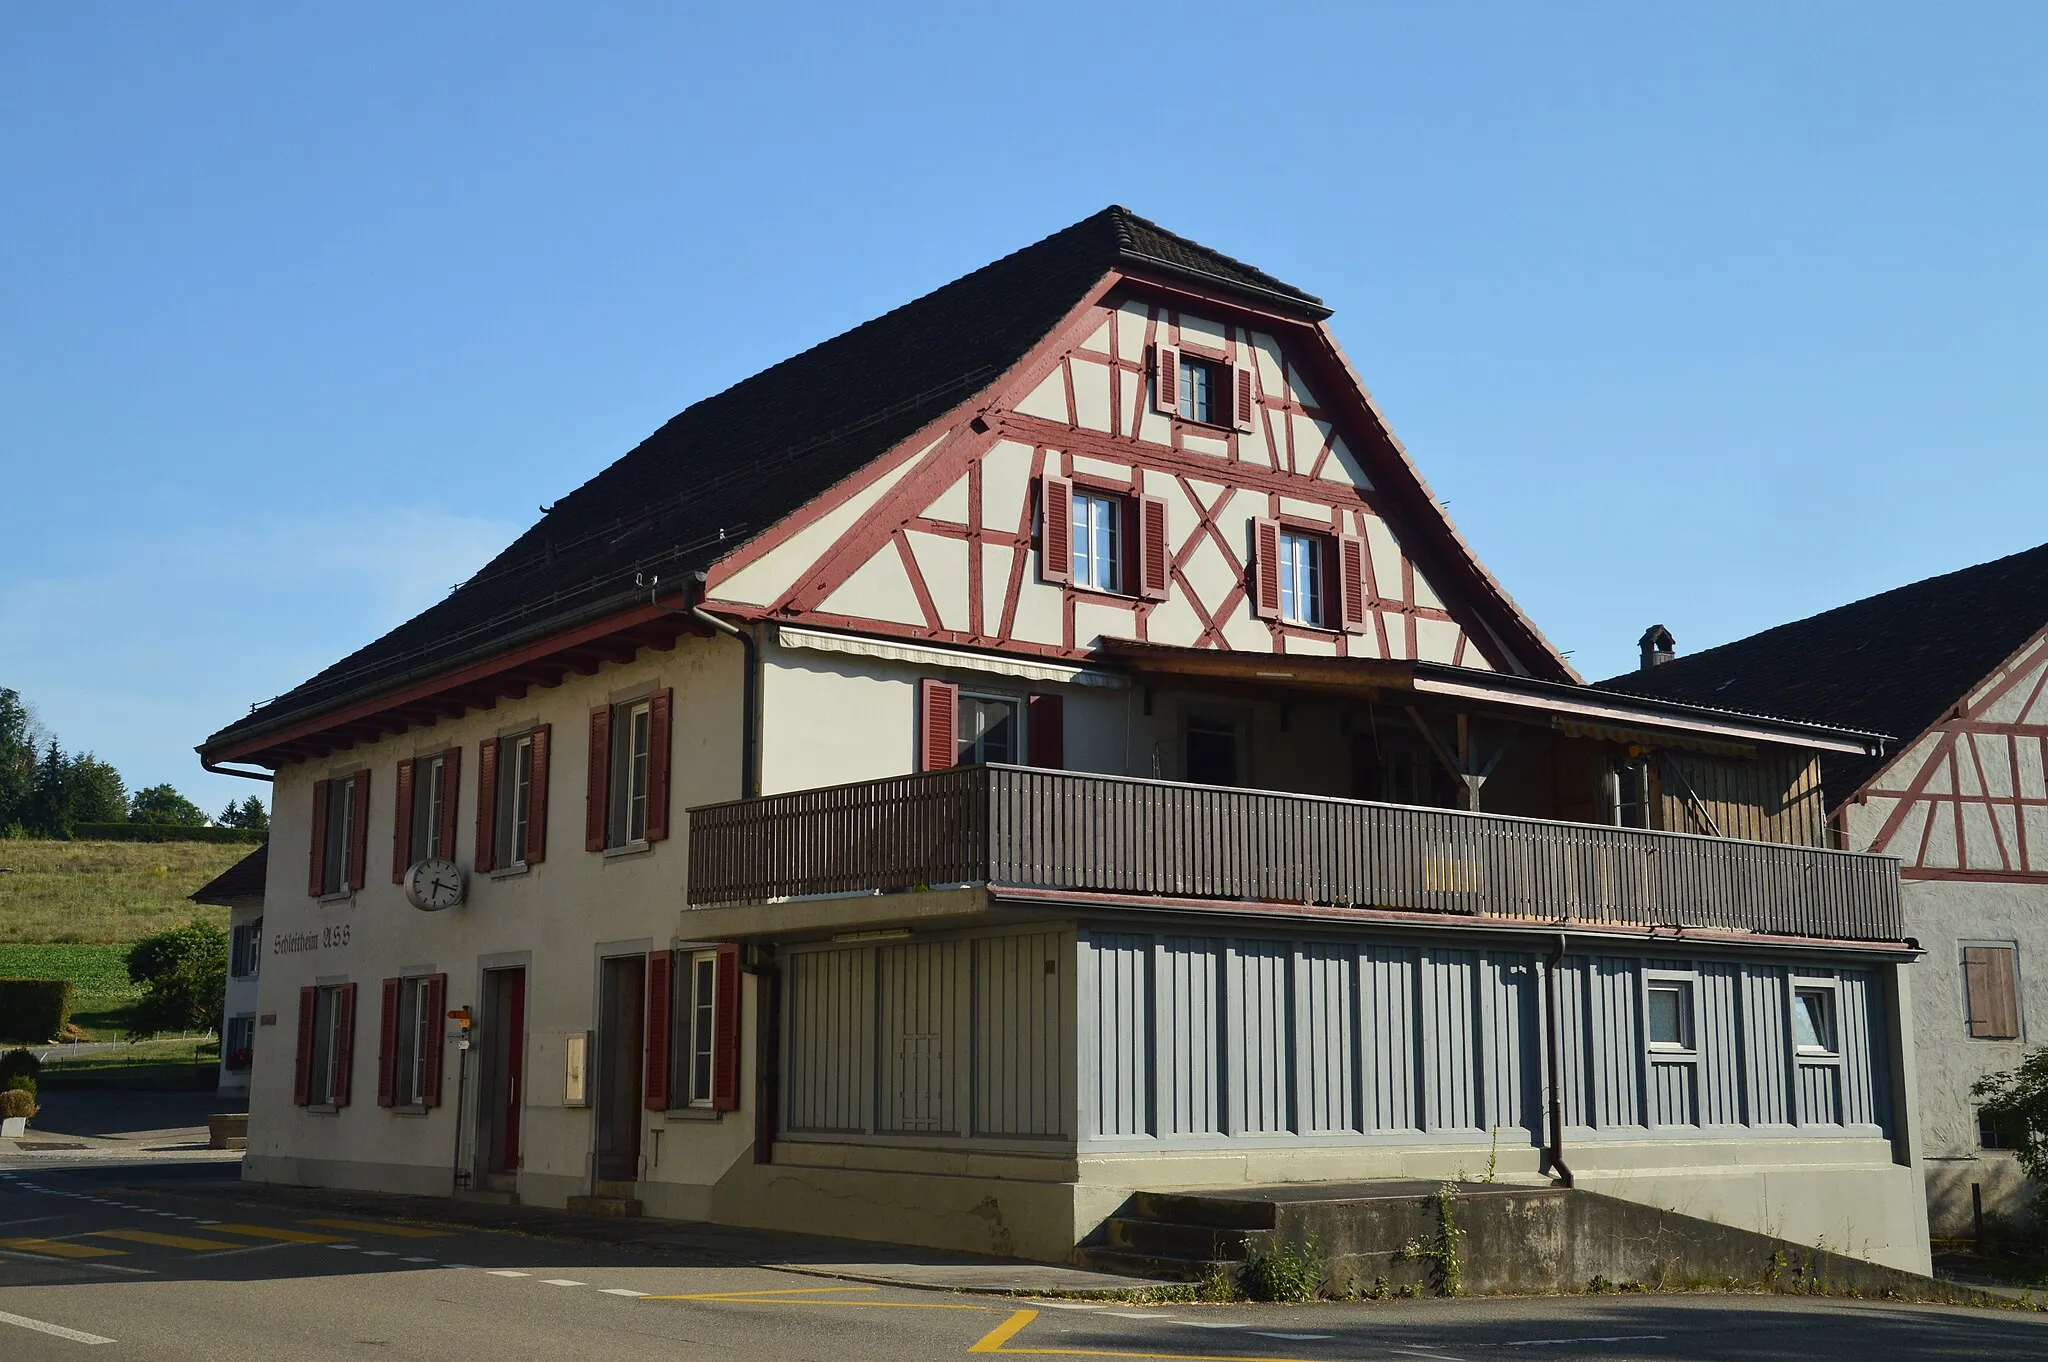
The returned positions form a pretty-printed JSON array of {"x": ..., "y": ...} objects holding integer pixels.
[
  {"x": 1813, "y": 1020},
  {"x": 1995, "y": 1132},
  {"x": 1670, "y": 1009}
]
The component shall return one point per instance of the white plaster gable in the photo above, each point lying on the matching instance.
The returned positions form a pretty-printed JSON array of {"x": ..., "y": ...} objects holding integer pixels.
[
  {"x": 878, "y": 589},
  {"x": 1005, "y": 485},
  {"x": 1049, "y": 399},
  {"x": 952, "y": 504},
  {"x": 1091, "y": 395},
  {"x": 1098, "y": 339},
  {"x": 942, "y": 562},
  {"x": 766, "y": 579}
]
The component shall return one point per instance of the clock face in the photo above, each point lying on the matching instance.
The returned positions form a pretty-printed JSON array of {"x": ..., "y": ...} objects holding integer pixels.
[{"x": 432, "y": 885}]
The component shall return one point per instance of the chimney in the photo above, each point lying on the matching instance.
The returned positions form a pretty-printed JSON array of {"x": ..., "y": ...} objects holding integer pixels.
[{"x": 1658, "y": 646}]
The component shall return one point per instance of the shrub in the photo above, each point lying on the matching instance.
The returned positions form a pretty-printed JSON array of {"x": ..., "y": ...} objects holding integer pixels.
[
  {"x": 163, "y": 832},
  {"x": 1287, "y": 1272},
  {"x": 184, "y": 976},
  {"x": 19, "y": 1064},
  {"x": 2017, "y": 1100},
  {"x": 34, "y": 1010},
  {"x": 15, "y": 1102}
]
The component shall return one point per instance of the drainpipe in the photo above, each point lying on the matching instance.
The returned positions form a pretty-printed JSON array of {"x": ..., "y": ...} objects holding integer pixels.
[
  {"x": 750, "y": 685},
  {"x": 1557, "y": 1163}
]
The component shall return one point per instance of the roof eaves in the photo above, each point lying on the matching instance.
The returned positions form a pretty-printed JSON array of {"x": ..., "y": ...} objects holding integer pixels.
[{"x": 1299, "y": 304}]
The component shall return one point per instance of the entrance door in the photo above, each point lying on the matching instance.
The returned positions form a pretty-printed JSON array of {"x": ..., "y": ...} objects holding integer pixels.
[
  {"x": 502, "y": 1088},
  {"x": 622, "y": 996}
]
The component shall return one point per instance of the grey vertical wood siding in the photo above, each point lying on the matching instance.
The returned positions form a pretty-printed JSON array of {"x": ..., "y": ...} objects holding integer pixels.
[{"x": 828, "y": 1041}]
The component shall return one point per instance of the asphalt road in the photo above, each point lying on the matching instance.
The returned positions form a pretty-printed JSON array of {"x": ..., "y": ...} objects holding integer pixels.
[{"x": 113, "y": 1262}]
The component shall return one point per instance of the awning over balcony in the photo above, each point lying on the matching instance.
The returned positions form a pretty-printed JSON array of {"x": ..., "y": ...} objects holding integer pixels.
[{"x": 1538, "y": 701}]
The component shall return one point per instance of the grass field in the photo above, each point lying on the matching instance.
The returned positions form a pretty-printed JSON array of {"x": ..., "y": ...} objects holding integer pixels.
[
  {"x": 152, "y": 1064},
  {"x": 100, "y": 990},
  {"x": 105, "y": 892}
]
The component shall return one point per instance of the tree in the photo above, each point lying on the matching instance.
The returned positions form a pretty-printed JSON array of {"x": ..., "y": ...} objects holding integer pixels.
[
  {"x": 161, "y": 804},
  {"x": 49, "y": 801},
  {"x": 2017, "y": 1102},
  {"x": 247, "y": 814},
  {"x": 184, "y": 976},
  {"x": 97, "y": 792},
  {"x": 18, "y": 734}
]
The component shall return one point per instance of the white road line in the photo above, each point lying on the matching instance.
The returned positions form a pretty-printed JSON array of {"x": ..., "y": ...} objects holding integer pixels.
[
  {"x": 1266, "y": 1333},
  {"x": 1560, "y": 1342},
  {"x": 560, "y": 1281},
  {"x": 417, "y": 1260},
  {"x": 1136, "y": 1314},
  {"x": 508, "y": 1272},
  {"x": 54, "y": 1330},
  {"x": 346, "y": 1248},
  {"x": 206, "y": 1222},
  {"x": 461, "y": 1267},
  {"x": 620, "y": 1291},
  {"x": 1067, "y": 1305},
  {"x": 377, "y": 1253},
  {"x": 1205, "y": 1324}
]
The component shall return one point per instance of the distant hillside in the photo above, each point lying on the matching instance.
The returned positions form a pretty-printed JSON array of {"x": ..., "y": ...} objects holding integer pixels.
[{"x": 105, "y": 891}]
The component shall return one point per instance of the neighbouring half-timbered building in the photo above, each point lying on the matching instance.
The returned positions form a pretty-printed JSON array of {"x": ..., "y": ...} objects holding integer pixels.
[
  {"x": 1957, "y": 666},
  {"x": 1046, "y": 743}
]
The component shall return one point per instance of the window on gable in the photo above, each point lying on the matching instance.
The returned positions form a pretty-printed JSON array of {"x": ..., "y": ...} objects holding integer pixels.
[
  {"x": 1098, "y": 541},
  {"x": 1201, "y": 388},
  {"x": 1301, "y": 578}
]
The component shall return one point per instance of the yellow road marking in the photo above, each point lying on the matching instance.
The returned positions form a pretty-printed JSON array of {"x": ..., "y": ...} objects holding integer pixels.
[
  {"x": 370, "y": 1227},
  {"x": 282, "y": 1236},
  {"x": 177, "y": 1241},
  {"x": 789, "y": 1298},
  {"x": 994, "y": 1339},
  {"x": 57, "y": 1248}
]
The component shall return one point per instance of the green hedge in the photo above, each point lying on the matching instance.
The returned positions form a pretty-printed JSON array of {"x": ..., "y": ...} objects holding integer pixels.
[
  {"x": 162, "y": 832},
  {"x": 34, "y": 1010}
]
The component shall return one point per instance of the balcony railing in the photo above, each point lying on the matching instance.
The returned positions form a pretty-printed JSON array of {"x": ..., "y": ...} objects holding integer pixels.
[{"x": 1063, "y": 830}]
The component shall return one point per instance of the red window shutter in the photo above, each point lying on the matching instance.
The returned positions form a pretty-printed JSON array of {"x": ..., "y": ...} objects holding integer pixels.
[
  {"x": 316, "y": 870},
  {"x": 344, "y": 1043},
  {"x": 359, "y": 844},
  {"x": 1055, "y": 529},
  {"x": 660, "y": 970},
  {"x": 1166, "y": 380},
  {"x": 537, "y": 800},
  {"x": 659, "y": 706},
  {"x": 1351, "y": 583},
  {"x": 1154, "y": 553},
  {"x": 302, "y": 1070},
  {"x": 725, "y": 1031},
  {"x": 401, "y": 824},
  {"x": 451, "y": 798},
  {"x": 487, "y": 805},
  {"x": 597, "y": 786},
  {"x": 436, "y": 1006},
  {"x": 938, "y": 725},
  {"x": 1243, "y": 387},
  {"x": 1266, "y": 569},
  {"x": 1045, "y": 717},
  {"x": 387, "y": 1046}
]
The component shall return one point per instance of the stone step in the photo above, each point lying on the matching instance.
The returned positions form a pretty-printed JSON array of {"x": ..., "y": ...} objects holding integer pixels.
[
  {"x": 1158, "y": 1266},
  {"x": 1204, "y": 1242},
  {"x": 1192, "y": 1208},
  {"x": 603, "y": 1205}
]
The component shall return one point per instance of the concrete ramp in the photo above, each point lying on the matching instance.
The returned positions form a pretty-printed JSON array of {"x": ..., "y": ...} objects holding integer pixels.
[{"x": 1474, "y": 1238}]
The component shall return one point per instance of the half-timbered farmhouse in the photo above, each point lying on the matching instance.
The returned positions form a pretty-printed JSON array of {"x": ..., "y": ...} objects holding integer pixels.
[
  {"x": 1047, "y": 743},
  {"x": 1957, "y": 666}
]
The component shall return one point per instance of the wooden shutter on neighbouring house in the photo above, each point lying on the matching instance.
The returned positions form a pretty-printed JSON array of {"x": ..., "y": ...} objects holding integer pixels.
[
  {"x": 1351, "y": 583},
  {"x": 1166, "y": 380},
  {"x": 1055, "y": 529},
  {"x": 401, "y": 824},
  {"x": 1266, "y": 569},
  {"x": 1993, "y": 999},
  {"x": 359, "y": 842},
  {"x": 451, "y": 790},
  {"x": 487, "y": 805},
  {"x": 316, "y": 871},
  {"x": 1045, "y": 721},
  {"x": 597, "y": 785},
  {"x": 1155, "y": 555},
  {"x": 725, "y": 1031},
  {"x": 344, "y": 1059},
  {"x": 537, "y": 800},
  {"x": 938, "y": 725},
  {"x": 302, "y": 1071},
  {"x": 1242, "y": 410},
  {"x": 660, "y": 706},
  {"x": 387, "y": 1045},
  {"x": 660, "y": 974},
  {"x": 436, "y": 1007}
]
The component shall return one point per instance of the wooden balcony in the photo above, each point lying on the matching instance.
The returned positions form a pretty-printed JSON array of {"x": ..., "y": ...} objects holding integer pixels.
[{"x": 1009, "y": 827}]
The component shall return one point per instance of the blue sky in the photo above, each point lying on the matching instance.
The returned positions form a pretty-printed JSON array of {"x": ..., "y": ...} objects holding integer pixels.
[{"x": 1708, "y": 315}]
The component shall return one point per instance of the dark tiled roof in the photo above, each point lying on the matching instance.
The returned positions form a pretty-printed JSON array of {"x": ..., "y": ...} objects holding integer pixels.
[
  {"x": 1894, "y": 663},
  {"x": 733, "y": 464},
  {"x": 239, "y": 882}
]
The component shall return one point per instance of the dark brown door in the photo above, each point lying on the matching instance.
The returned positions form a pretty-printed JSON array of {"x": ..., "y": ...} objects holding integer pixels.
[
  {"x": 504, "y": 1066},
  {"x": 622, "y": 997}
]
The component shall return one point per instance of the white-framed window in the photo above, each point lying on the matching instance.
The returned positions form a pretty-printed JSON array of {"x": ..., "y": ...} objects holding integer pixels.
[
  {"x": 429, "y": 790},
  {"x": 1301, "y": 578},
  {"x": 991, "y": 730},
  {"x": 696, "y": 1019},
  {"x": 1668, "y": 1004},
  {"x": 1628, "y": 794},
  {"x": 238, "y": 1046},
  {"x": 1813, "y": 1019},
  {"x": 326, "y": 1085},
  {"x": 631, "y": 728},
  {"x": 1201, "y": 388},
  {"x": 245, "y": 949},
  {"x": 515, "y": 798},
  {"x": 418, "y": 1028},
  {"x": 338, "y": 862},
  {"x": 1098, "y": 541}
]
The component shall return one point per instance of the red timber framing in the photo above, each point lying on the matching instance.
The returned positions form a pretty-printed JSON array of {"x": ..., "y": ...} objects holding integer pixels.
[
  {"x": 1968, "y": 799},
  {"x": 1380, "y": 620}
]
